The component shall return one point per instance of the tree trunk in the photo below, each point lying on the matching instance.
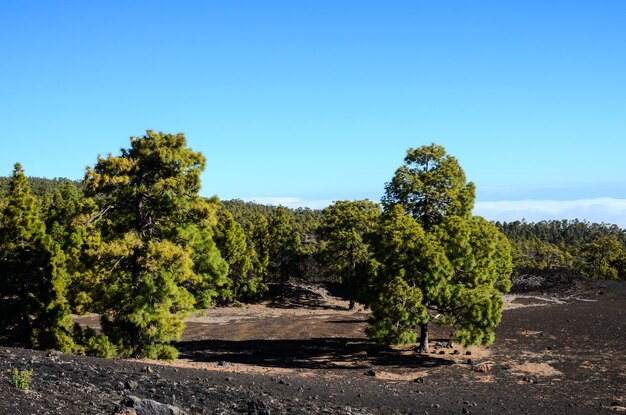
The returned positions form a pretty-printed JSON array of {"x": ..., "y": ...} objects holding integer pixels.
[
  {"x": 135, "y": 340},
  {"x": 423, "y": 347},
  {"x": 351, "y": 278},
  {"x": 235, "y": 279},
  {"x": 135, "y": 265},
  {"x": 283, "y": 271}
]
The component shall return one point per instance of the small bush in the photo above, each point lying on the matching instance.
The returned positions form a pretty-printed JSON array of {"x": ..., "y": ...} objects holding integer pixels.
[
  {"x": 160, "y": 352},
  {"x": 100, "y": 346},
  {"x": 21, "y": 378},
  {"x": 93, "y": 344}
]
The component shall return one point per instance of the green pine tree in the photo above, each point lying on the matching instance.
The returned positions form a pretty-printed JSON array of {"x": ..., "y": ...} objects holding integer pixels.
[
  {"x": 69, "y": 217},
  {"x": 602, "y": 258},
  {"x": 151, "y": 225},
  {"x": 434, "y": 261},
  {"x": 33, "y": 308},
  {"x": 260, "y": 244},
  {"x": 240, "y": 255},
  {"x": 283, "y": 243},
  {"x": 345, "y": 249}
]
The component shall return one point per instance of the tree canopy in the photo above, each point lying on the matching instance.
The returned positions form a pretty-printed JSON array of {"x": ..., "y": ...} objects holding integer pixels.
[
  {"x": 434, "y": 260},
  {"x": 33, "y": 308},
  {"x": 430, "y": 185},
  {"x": 151, "y": 222},
  {"x": 345, "y": 231}
]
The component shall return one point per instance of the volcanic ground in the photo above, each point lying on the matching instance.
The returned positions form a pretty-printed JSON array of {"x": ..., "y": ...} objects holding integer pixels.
[{"x": 560, "y": 350}]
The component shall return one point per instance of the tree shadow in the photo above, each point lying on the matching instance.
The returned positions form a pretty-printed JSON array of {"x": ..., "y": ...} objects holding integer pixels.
[{"x": 317, "y": 353}]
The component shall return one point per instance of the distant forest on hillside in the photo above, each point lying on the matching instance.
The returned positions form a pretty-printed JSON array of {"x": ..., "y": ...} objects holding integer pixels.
[{"x": 570, "y": 247}]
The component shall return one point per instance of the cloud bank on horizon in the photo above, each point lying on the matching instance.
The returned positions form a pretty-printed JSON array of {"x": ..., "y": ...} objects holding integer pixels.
[{"x": 600, "y": 210}]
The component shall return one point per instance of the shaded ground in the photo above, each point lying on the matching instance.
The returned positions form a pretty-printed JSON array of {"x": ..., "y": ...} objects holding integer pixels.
[{"x": 556, "y": 352}]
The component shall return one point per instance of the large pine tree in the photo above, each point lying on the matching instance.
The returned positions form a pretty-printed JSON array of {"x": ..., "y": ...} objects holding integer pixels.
[
  {"x": 435, "y": 261},
  {"x": 33, "y": 308},
  {"x": 156, "y": 241}
]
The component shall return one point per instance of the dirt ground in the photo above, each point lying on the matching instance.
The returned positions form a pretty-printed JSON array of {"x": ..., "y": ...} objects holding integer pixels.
[{"x": 556, "y": 352}]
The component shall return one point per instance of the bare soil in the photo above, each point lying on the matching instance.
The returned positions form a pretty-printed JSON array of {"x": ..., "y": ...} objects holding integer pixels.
[{"x": 557, "y": 351}]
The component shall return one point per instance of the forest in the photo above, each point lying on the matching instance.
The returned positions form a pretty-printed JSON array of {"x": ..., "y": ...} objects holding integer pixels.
[{"x": 135, "y": 243}]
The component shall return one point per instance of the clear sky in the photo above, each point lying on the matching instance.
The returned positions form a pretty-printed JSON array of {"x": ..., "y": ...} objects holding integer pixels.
[{"x": 306, "y": 102}]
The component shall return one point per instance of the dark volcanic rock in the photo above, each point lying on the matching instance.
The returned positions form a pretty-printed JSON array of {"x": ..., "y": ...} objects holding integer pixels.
[
  {"x": 257, "y": 407},
  {"x": 131, "y": 384},
  {"x": 146, "y": 407}
]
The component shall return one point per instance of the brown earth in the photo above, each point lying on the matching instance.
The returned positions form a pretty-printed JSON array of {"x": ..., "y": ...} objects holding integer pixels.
[{"x": 560, "y": 351}]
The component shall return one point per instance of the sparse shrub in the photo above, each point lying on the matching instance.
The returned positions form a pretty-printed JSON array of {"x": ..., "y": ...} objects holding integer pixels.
[
  {"x": 99, "y": 345},
  {"x": 21, "y": 378},
  {"x": 160, "y": 351}
]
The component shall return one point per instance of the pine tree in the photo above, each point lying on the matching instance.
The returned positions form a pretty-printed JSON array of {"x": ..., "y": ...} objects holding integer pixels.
[
  {"x": 34, "y": 311},
  {"x": 260, "y": 243},
  {"x": 434, "y": 261},
  {"x": 602, "y": 258},
  {"x": 210, "y": 281},
  {"x": 68, "y": 216},
  {"x": 151, "y": 225},
  {"x": 429, "y": 186},
  {"x": 344, "y": 230},
  {"x": 283, "y": 246},
  {"x": 233, "y": 245}
]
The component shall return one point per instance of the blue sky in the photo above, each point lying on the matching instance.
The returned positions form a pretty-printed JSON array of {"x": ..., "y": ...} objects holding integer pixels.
[{"x": 308, "y": 102}]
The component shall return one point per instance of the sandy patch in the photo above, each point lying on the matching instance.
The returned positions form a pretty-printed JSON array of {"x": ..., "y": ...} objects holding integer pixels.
[
  {"x": 535, "y": 369},
  {"x": 400, "y": 377},
  {"x": 228, "y": 368},
  {"x": 513, "y": 301},
  {"x": 484, "y": 378},
  {"x": 221, "y": 315},
  {"x": 529, "y": 333}
]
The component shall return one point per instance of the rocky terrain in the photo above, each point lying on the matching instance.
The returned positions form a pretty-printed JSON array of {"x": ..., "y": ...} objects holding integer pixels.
[{"x": 559, "y": 350}]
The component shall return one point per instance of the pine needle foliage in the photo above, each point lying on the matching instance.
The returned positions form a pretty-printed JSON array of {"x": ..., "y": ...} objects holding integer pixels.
[
  {"x": 33, "y": 308},
  {"x": 434, "y": 261},
  {"x": 152, "y": 225}
]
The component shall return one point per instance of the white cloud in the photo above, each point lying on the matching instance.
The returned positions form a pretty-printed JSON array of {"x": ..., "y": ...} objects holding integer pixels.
[
  {"x": 605, "y": 209},
  {"x": 290, "y": 202}
]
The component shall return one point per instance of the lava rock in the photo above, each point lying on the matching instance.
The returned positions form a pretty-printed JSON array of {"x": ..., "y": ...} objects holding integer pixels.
[
  {"x": 257, "y": 407},
  {"x": 483, "y": 367},
  {"x": 133, "y": 405},
  {"x": 529, "y": 379},
  {"x": 131, "y": 384}
]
